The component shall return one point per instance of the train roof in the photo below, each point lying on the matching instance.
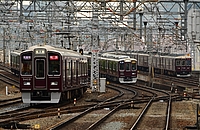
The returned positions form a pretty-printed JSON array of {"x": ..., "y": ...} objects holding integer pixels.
[
  {"x": 114, "y": 57},
  {"x": 166, "y": 55},
  {"x": 175, "y": 56},
  {"x": 110, "y": 56},
  {"x": 16, "y": 52},
  {"x": 62, "y": 51}
]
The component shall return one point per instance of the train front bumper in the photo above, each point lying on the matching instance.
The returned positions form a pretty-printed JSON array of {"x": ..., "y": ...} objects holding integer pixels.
[{"x": 53, "y": 98}]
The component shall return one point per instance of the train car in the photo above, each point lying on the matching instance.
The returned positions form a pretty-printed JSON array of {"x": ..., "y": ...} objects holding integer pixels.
[
  {"x": 178, "y": 65},
  {"x": 120, "y": 68},
  {"x": 117, "y": 68},
  {"x": 14, "y": 61},
  {"x": 49, "y": 74}
]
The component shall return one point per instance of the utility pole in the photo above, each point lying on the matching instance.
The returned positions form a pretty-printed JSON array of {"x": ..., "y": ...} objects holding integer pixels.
[
  {"x": 197, "y": 44},
  {"x": 145, "y": 33},
  {"x": 141, "y": 14},
  {"x": 94, "y": 82},
  {"x": 4, "y": 46},
  {"x": 176, "y": 23}
]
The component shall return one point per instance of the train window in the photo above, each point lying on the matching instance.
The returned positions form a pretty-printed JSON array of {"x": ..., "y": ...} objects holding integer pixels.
[
  {"x": 26, "y": 68},
  {"x": 17, "y": 62},
  {"x": 75, "y": 68},
  {"x": 110, "y": 65},
  {"x": 12, "y": 61},
  {"x": 100, "y": 63},
  {"x": 188, "y": 62},
  {"x": 114, "y": 66},
  {"x": 80, "y": 68},
  {"x": 40, "y": 68},
  {"x": 69, "y": 69},
  {"x": 117, "y": 67},
  {"x": 104, "y": 65},
  {"x": 89, "y": 63},
  {"x": 133, "y": 66},
  {"x": 26, "y": 65},
  {"x": 168, "y": 64},
  {"x": 39, "y": 71},
  {"x": 178, "y": 63},
  {"x": 145, "y": 61},
  {"x": 183, "y": 62},
  {"x": 127, "y": 66},
  {"x": 121, "y": 65},
  {"x": 54, "y": 65}
]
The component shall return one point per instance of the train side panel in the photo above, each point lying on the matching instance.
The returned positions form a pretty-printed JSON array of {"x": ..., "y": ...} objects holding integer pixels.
[
  {"x": 166, "y": 64},
  {"x": 14, "y": 61},
  {"x": 117, "y": 68}
]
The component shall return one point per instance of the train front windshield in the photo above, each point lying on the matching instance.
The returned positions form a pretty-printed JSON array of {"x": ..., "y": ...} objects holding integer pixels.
[
  {"x": 134, "y": 65},
  {"x": 121, "y": 65},
  {"x": 26, "y": 64},
  {"x": 40, "y": 67},
  {"x": 127, "y": 66},
  {"x": 54, "y": 64},
  {"x": 188, "y": 62},
  {"x": 183, "y": 62}
]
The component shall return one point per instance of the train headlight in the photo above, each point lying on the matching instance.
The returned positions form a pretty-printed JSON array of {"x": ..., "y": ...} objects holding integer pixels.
[
  {"x": 133, "y": 73},
  {"x": 27, "y": 83},
  {"x": 54, "y": 83}
]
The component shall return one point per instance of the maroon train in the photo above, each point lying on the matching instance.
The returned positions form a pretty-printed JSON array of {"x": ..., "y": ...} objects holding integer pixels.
[
  {"x": 49, "y": 74},
  {"x": 116, "y": 68},
  {"x": 178, "y": 65}
]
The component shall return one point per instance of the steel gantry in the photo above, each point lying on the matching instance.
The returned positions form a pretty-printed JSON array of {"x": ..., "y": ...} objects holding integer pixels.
[
  {"x": 114, "y": 24},
  {"x": 75, "y": 15}
]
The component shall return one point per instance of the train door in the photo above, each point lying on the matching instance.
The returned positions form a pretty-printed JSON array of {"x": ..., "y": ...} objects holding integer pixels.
[{"x": 40, "y": 78}]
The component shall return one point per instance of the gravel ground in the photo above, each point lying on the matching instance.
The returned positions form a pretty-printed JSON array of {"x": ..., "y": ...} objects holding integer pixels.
[
  {"x": 155, "y": 117},
  {"x": 13, "y": 92},
  {"x": 183, "y": 113}
]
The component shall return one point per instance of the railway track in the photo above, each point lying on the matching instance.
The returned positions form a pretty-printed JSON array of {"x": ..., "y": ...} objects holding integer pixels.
[
  {"x": 7, "y": 76},
  {"x": 189, "y": 81},
  {"x": 85, "y": 111},
  {"x": 157, "y": 96},
  {"x": 9, "y": 80},
  {"x": 8, "y": 102},
  {"x": 126, "y": 103},
  {"x": 124, "y": 99},
  {"x": 128, "y": 97},
  {"x": 116, "y": 105},
  {"x": 28, "y": 113}
]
